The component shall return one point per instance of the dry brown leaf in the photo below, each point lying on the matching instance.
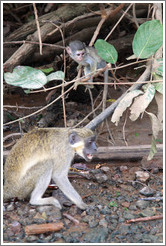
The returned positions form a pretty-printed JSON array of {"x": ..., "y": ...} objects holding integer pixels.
[
  {"x": 155, "y": 124},
  {"x": 141, "y": 103},
  {"x": 124, "y": 103}
]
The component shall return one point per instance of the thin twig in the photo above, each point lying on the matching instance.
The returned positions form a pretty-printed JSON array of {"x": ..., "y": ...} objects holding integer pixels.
[
  {"x": 132, "y": 63},
  {"x": 52, "y": 88},
  {"x": 21, "y": 7},
  {"x": 104, "y": 15},
  {"x": 9, "y": 144},
  {"x": 156, "y": 217},
  {"x": 63, "y": 103},
  {"x": 20, "y": 107},
  {"x": 96, "y": 33},
  {"x": 68, "y": 216},
  {"x": 145, "y": 169},
  {"x": 125, "y": 83},
  {"x": 79, "y": 174},
  {"x": 134, "y": 16},
  {"x": 96, "y": 83},
  {"x": 38, "y": 27},
  {"x": 110, "y": 133},
  {"x": 118, "y": 21},
  {"x": 12, "y": 135}
]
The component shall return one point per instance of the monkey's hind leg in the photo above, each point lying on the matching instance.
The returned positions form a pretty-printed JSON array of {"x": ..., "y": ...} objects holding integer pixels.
[{"x": 40, "y": 188}]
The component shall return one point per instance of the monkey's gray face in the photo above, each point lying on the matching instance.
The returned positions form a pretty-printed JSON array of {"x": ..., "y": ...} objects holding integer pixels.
[
  {"x": 80, "y": 55},
  {"x": 90, "y": 148},
  {"x": 85, "y": 148}
]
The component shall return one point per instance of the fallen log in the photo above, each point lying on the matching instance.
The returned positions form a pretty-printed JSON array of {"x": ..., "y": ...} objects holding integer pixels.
[{"x": 136, "y": 152}]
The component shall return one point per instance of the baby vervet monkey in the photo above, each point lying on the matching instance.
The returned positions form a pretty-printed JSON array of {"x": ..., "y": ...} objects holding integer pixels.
[
  {"x": 87, "y": 57},
  {"x": 44, "y": 154}
]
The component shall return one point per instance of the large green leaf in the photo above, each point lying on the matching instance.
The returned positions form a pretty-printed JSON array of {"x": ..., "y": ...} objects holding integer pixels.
[
  {"x": 26, "y": 77},
  {"x": 106, "y": 51},
  {"x": 148, "y": 39}
]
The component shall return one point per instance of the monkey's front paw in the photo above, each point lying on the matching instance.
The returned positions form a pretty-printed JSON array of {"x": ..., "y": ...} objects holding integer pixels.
[
  {"x": 83, "y": 206},
  {"x": 57, "y": 204}
]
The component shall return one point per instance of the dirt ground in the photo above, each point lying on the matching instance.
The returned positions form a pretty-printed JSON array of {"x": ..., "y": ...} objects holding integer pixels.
[{"x": 111, "y": 189}]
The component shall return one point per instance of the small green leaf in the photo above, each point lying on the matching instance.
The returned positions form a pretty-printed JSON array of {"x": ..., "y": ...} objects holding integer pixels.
[
  {"x": 117, "y": 193},
  {"x": 159, "y": 140},
  {"x": 112, "y": 204},
  {"x": 59, "y": 75},
  {"x": 22, "y": 121},
  {"x": 148, "y": 39},
  {"x": 106, "y": 51},
  {"x": 26, "y": 77},
  {"x": 158, "y": 87},
  {"x": 10, "y": 116},
  {"x": 136, "y": 134},
  {"x": 27, "y": 91},
  {"x": 47, "y": 70}
]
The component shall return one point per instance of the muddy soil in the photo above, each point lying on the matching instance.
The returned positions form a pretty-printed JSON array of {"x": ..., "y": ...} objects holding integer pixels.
[{"x": 110, "y": 188}]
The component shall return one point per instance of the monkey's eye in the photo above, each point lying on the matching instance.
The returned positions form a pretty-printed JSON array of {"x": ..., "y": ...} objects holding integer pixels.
[
  {"x": 89, "y": 143},
  {"x": 80, "y": 54}
]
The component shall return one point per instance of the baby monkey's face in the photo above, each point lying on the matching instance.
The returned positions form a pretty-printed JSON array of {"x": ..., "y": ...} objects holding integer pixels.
[{"x": 80, "y": 55}]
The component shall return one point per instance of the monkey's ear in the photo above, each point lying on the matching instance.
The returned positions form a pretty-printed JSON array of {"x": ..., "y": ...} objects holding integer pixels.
[
  {"x": 68, "y": 50},
  {"x": 74, "y": 138}
]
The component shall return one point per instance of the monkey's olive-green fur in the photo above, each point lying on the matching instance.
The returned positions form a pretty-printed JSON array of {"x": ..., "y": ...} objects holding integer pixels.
[{"x": 39, "y": 156}]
